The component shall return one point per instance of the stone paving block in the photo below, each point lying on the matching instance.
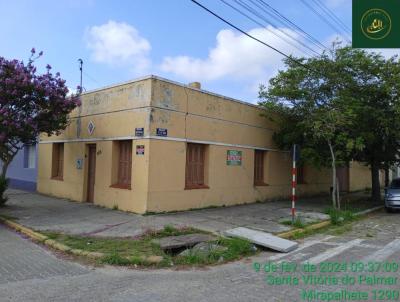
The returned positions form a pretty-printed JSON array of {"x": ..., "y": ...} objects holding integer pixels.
[
  {"x": 23, "y": 260},
  {"x": 264, "y": 239}
]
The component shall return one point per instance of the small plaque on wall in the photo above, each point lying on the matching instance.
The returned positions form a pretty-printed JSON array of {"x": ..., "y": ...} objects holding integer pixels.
[
  {"x": 79, "y": 163},
  {"x": 139, "y": 149},
  {"x": 139, "y": 131},
  {"x": 234, "y": 158},
  {"x": 162, "y": 132}
]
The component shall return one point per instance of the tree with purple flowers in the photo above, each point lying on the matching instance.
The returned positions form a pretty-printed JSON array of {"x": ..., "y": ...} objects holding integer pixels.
[{"x": 30, "y": 104}]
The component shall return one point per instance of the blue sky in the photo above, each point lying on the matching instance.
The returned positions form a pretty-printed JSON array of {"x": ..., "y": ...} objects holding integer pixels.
[{"x": 121, "y": 40}]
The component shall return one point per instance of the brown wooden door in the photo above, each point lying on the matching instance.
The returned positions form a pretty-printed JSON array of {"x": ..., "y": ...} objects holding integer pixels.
[{"x": 91, "y": 173}]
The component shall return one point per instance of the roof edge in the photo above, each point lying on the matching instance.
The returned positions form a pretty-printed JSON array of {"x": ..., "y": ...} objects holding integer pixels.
[{"x": 151, "y": 76}]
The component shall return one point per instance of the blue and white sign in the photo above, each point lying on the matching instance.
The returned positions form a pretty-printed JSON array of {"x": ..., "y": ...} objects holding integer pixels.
[
  {"x": 162, "y": 132},
  {"x": 139, "y": 131}
]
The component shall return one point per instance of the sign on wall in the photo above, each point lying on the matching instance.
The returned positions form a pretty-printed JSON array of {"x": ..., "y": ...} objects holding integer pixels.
[
  {"x": 79, "y": 163},
  {"x": 139, "y": 131},
  {"x": 162, "y": 132},
  {"x": 91, "y": 127},
  {"x": 234, "y": 158},
  {"x": 139, "y": 149}
]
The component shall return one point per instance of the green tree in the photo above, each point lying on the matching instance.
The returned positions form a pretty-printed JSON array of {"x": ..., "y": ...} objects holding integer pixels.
[
  {"x": 305, "y": 104},
  {"x": 30, "y": 104},
  {"x": 342, "y": 105}
]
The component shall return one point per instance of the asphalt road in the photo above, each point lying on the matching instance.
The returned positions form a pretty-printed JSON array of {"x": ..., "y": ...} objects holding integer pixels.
[{"x": 29, "y": 272}]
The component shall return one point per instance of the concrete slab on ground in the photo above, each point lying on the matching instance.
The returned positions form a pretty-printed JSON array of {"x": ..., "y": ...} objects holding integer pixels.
[{"x": 264, "y": 239}]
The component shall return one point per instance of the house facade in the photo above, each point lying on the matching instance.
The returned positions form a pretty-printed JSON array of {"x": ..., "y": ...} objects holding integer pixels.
[
  {"x": 22, "y": 171},
  {"x": 154, "y": 145}
]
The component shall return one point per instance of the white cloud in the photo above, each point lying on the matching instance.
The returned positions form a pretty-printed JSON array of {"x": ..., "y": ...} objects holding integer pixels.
[
  {"x": 234, "y": 55},
  {"x": 117, "y": 44}
]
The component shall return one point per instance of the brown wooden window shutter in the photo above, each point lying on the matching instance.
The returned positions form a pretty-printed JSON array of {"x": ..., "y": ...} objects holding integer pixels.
[
  {"x": 259, "y": 167},
  {"x": 125, "y": 164},
  {"x": 58, "y": 161},
  {"x": 195, "y": 166}
]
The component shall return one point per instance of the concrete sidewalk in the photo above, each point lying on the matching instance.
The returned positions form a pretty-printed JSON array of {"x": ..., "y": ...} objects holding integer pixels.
[{"x": 44, "y": 213}]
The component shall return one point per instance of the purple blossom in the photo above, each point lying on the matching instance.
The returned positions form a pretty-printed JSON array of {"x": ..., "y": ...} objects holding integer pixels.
[{"x": 31, "y": 103}]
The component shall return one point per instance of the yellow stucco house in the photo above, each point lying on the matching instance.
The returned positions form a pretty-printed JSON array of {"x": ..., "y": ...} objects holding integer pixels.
[{"x": 153, "y": 145}]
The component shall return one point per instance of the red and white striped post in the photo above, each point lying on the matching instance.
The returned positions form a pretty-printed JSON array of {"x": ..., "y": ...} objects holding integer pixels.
[{"x": 294, "y": 182}]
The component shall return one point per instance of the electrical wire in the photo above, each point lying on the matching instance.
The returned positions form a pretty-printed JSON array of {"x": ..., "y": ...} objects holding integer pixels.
[
  {"x": 323, "y": 19},
  {"x": 333, "y": 16},
  {"x": 262, "y": 25},
  {"x": 254, "y": 38},
  {"x": 290, "y": 36},
  {"x": 287, "y": 22}
]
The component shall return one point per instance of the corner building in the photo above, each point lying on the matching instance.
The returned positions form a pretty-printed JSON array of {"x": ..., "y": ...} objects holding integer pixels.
[{"x": 154, "y": 145}]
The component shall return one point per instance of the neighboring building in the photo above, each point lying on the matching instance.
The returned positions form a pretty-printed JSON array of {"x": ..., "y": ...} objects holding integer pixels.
[
  {"x": 153, "y": 145},
  {"x": 22, "y": 171}
]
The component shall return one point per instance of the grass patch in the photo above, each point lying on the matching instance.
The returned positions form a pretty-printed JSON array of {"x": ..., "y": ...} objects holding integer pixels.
[
  {"x": 298, "y": 223},
  {"x": 137, "y": 251},
  {"x": 235, "y": 249},
  {"x": 339, "y": 217}
]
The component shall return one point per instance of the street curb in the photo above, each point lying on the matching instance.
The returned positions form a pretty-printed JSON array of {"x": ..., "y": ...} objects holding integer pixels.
[
  {"x": 313, "y": 227},
  {"x": 367, "y": 211},
  {"x": 322, "y": 224},
  {"x": 49, "y": 242}
]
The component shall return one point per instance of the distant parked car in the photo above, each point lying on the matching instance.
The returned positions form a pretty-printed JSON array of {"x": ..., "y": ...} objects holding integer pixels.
[{"x": 392, "y": 195}]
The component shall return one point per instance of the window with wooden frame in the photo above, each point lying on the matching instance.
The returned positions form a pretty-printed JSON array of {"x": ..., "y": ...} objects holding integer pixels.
[
  {"x": 57, "y": 169},
  {"x": 195, "y": 166},
  {"x": 300, "y": 175},
  {"x": 124, "y": 165},
  {"x": 259, "y": 156},
  {"x": 29, "y": 156}
]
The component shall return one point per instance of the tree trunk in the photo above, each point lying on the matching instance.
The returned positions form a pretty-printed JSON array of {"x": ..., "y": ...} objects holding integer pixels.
[
  {"x": 3, "y": 183},
  {"x": 338, "y": 194},
  {"x": 376, "y": 187},
  {"x": 4, "y": 169},
  {"x": 334, "y": 186},
  {"x": 387, "y": 177}
]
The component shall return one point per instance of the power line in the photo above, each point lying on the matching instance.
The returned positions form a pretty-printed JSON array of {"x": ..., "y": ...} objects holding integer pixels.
[
  {"x": 323, "y": 19},
  {"x": 91, "y": 78},
  {"x": 291, "y": 24},
  {"x": 333, "y": 16},
  {"x": 252, "y": 37},
  {"x": 257, "y": 14},
  {"x": 262, "y": 25}
]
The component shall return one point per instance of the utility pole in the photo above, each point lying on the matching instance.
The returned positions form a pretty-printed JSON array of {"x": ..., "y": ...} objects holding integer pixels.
[
  {"x": 294, "y": 181},
  {"x": 81, "y": 70}
]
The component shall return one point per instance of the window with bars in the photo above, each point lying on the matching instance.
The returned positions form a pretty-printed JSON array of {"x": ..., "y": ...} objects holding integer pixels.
[
  {"x": 195, "y": 166},
  {"x": 259, "y": 156},
  {"x": 58, "y": 161},
  {"x": 124, "y": 164}
]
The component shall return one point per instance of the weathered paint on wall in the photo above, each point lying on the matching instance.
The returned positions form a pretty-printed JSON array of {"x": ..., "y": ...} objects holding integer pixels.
[
  {"x": 360, "y": 176},
  {"x": 158, "y": 176}
]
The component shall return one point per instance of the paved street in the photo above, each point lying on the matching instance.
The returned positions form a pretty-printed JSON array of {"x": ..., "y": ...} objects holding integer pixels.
[{"x": 30, "y": 273}]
